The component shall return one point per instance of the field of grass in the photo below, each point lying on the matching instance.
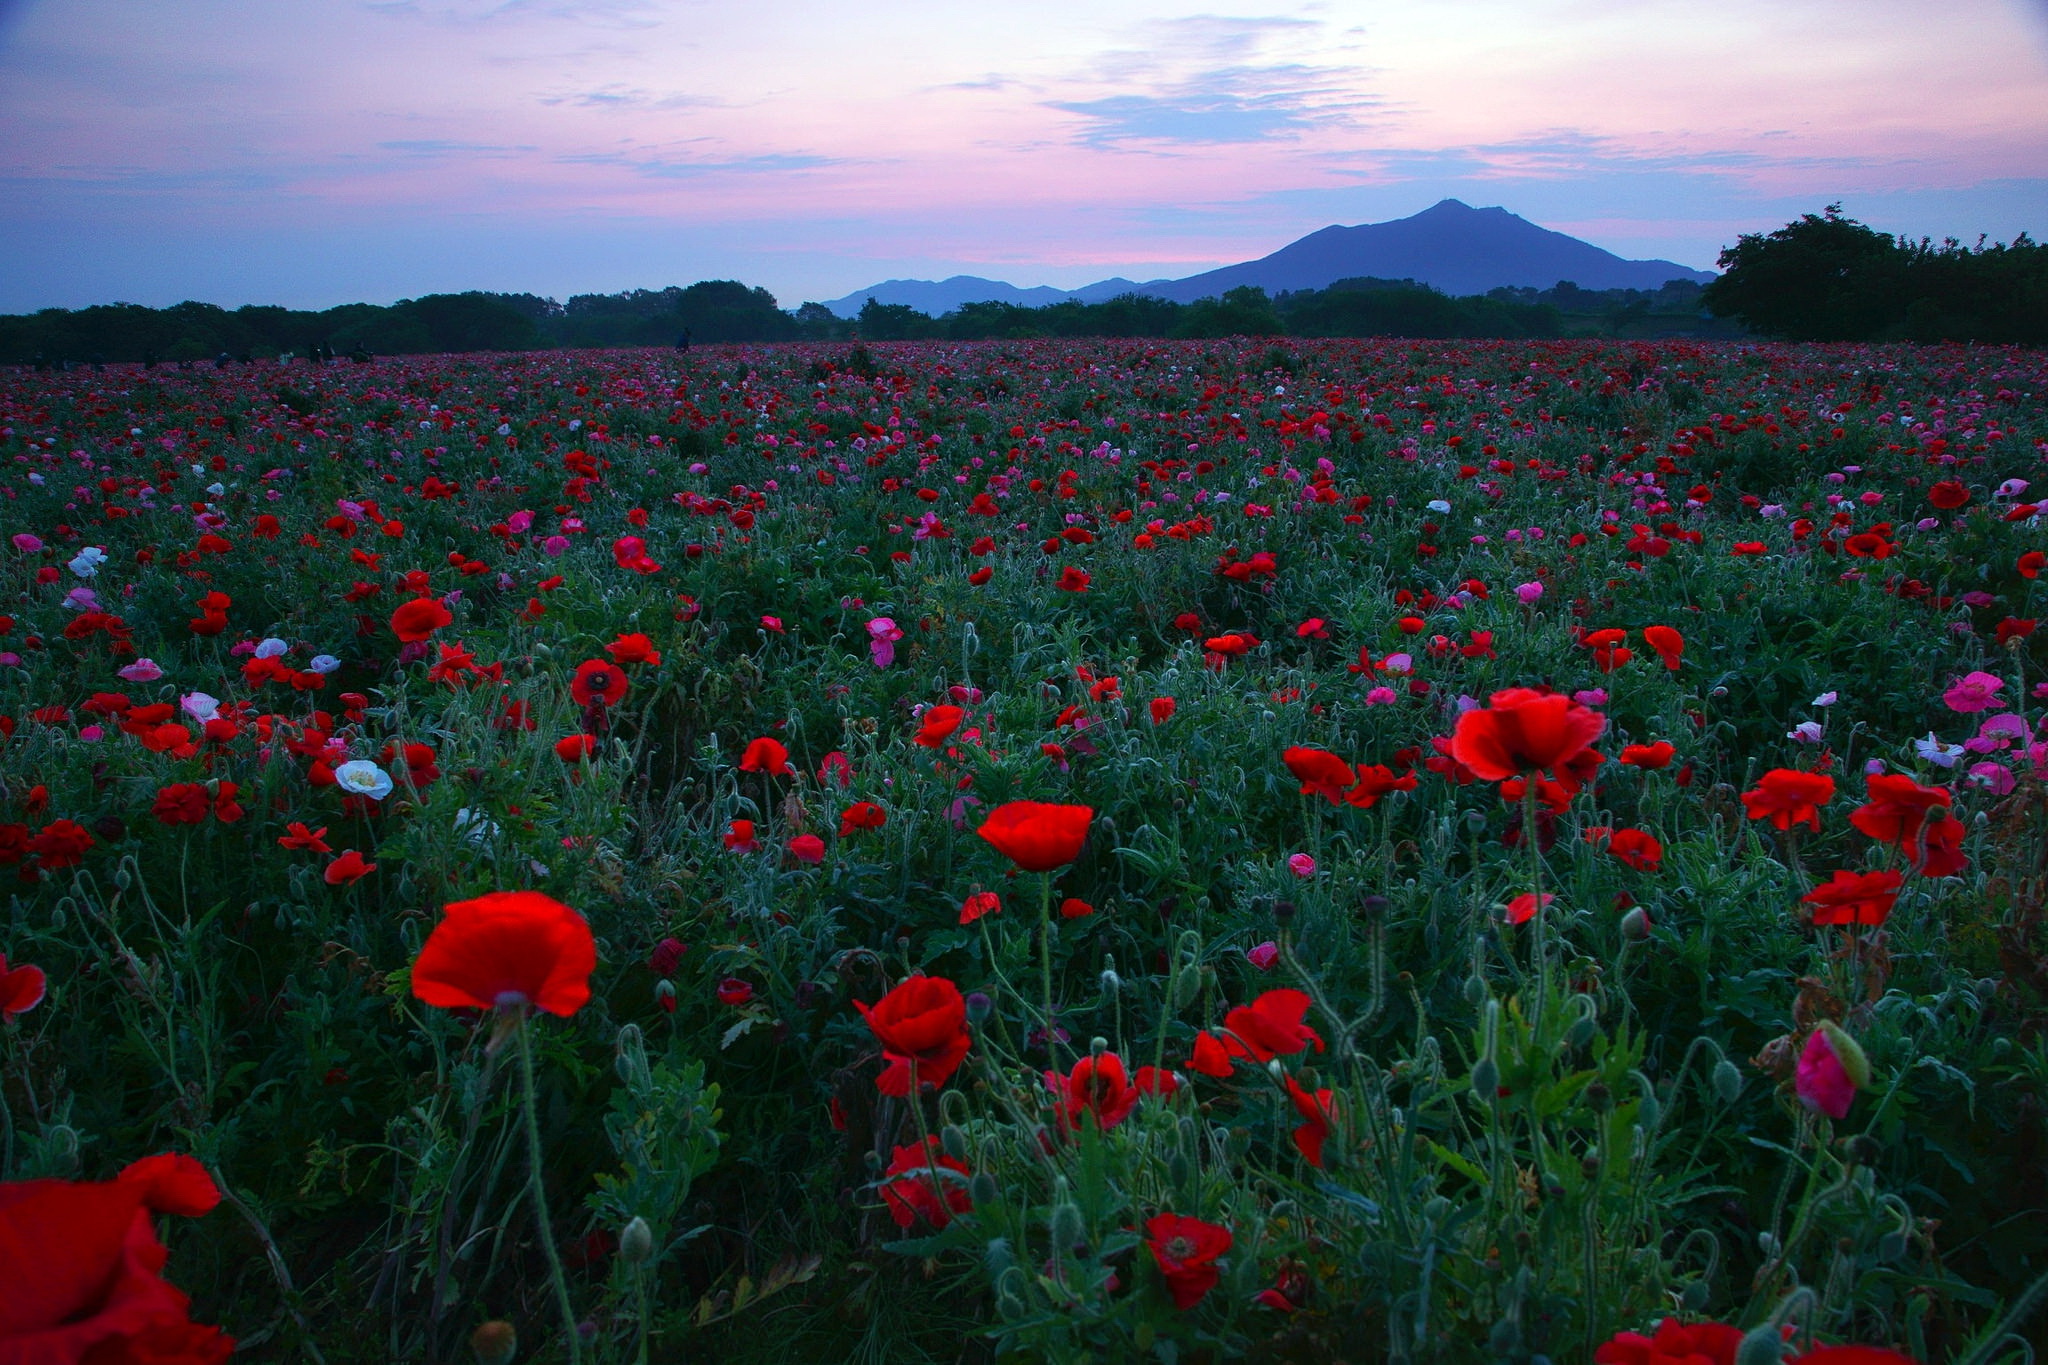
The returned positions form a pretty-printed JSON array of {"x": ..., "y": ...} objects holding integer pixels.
[{"x": 1037, "y": 851}]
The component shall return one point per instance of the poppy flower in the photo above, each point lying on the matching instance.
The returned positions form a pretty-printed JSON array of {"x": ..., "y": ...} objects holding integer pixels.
[
  {"x": 1099, "y": 1086},
  {"x": 1211, "y": 1057},
  {"x": 21, "y": 988},
  {"x": 1895, "y": 810},
  {"x": 734, "y": 992},
  {"x": 633, "y": 649},
  {"x": 1075, "y": 908},
  {"x": 1853, "y": 1355},
  {"x": 923, "y": 1022},
  {"x": 1523, "y": 908},
  {"x": 301, "y": 839},
  {"x": 1636, "y": 848},
  {"x": 978, "y": 904},
  {"x": 347, "y": 869},
  {"x": 1649, "y": 756},
  {"x": 507, "y": 948},
  {"x": 1161, "y": 709},
  {"x": 1521, "y": 730},
  {"x": 1320, "y": 772},
  {"x": 1948, "y": 495},
  {"x": 83, "y": 1268},
  {"x": 907, "y": 1185},
  {"x": 1832, "y": 1068},
  {"x": 1854, "y": 897},
  {"x": 1316, "y": 1110},
  {"x": 574, "y": 748},
  {"x": 739, "y": 837},
  {"x": 1072, "y": 580},
  {"x": 766, "y": 755},
  {"x": 630, "y": 553},
  {"x": 1668, "y": 643},
  {"x": 1035, "y": 835},
  {"x": 1375, "y": 781},
  {"x": 1942, "y": 848},
  {"x": 416, "y": 620},
  {"x": 861, "y": 815},
  {"x": 1271, "y": 1026},
  {"x": 61, "y": 843},
  {"x": 1786, "y": 796},
  {"x": 599, "y": 682},
  {"x": 181, "y": 803},
  {"x": 937, "y": 725},
  {"x": 1675, "y": 1343},
  {"x": 1185, "y": 1250},
  {"x": 807, "y": 848}
]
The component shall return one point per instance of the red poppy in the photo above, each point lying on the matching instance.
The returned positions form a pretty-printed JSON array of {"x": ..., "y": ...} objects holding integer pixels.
[
  {"x": 1320, "y": 772},
  {"x": 1854, "y": 897},
  {"x": 21, "y": 988},
  {"x": 739, "y": 836},
  {"x": 1668, "y": 643},
  {"x": 181, "y": 803},
  {"x": 299, "y": 838},
  {"x": 1895, "y": 810},
  {"x": 1853, "y": 1355},
  {"x": 807, "y": 848},
  {"x": 574, "y": 748},
  {"x": 937, "y": 724},
  {"x": 1075, "y": 908},
  {"x": 1185, "y": 1250},
  {"x": 347, "y": 869},
  {"x": 416, "y": 620},
  {"x": 633, "y": 649},
  {"x": 1523, "y": 908},
  {"x": 907, "y": 1185},
  {"x": 1636, "y": 848},
  {"x": 1162, "y": 709},
  {"x": 631, "y": 554},
  {"x": 923, "y": 1022},
  {"x": 861, "y": 815},
  {"x": 1786, "y": 796},
  {"x": 1099, "y": 1086},
  {"x": 1948, "y": 495},
  {"x": 1211, "y": 1057},
  {"x": 1035, "y": 835},
  {"x": 1675, "y": 1343},
  {"x": 61, "y": 843},
  {"x": 1521, "y": 730},
  {"x": 978, "y": 904},
  {"x": 2031, "y": 563},
  {"x": 766, "y": 755},
  {"x": 1271, "y": 1026},
  {"x": 599, "y": 682},
  {"x": 1649, "y": 756},
  {"x": 507, "y": 948},
  {"x": 1375, "y": 781},
  {"x": 1942, "y": 848},
  {"x": 82, "y": 1266},
  {"x": 1073, "y": 580},
  {"x": 1318, "y": 1114},
  {"x": 734, "y": 992}
]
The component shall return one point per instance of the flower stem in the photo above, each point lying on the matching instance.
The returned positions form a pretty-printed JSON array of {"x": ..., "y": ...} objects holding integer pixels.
[
  {"x": 540, "y": 1198},
  {"x": 1045, "y": 964}
]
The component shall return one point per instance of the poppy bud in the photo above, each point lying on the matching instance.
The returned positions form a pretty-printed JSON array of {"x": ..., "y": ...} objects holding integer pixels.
[
  {"x": 1373, "y": 906},
  {"x": 1283, "y": 913},
  {"x": 1727, "y": 1081},
  {"x": 665, "y": 996},
  {"x": 1485, "y": 1079},
  {"x": 1475, "y": 990},
  {"x": 982, "y": 1190},
  {"x": 979, "y": 1007},
  {"x": 953, "y": 1142},
  {"x": 1066, "y": 1227},
  {"x": 636, "y": 1243},
  {"x": 1635, "y": 925},
  {"x": 495, "y": 1343},
  {"x": 1599, "y": 1096}
]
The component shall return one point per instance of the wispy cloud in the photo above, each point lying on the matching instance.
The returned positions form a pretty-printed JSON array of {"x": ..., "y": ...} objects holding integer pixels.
[
  {"x": 443, "y": 147},
  {"x": 669, "y": 168}
]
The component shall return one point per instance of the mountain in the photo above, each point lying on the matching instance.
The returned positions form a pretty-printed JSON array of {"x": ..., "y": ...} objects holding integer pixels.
[
  {"x": 1451, "y": 245},
  {"x": 937, "y": 297}
]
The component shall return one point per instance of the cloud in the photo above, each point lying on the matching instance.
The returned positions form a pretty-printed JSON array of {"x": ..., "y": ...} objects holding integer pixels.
[
  {"x": 628, "y": 97},
  {"x": 599, "y": 13},
  {"x": 442, "y": 147},
  {"x": 1210, "y": 80},
  {"x": 665, "y": 168}
]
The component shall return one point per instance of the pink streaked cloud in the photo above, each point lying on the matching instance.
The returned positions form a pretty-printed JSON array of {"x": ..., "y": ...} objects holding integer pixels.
[{"x": 565, "y": 145}]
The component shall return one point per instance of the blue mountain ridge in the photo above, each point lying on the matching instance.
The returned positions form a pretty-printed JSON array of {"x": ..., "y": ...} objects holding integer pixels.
[{"x": 1450, "y": 246}]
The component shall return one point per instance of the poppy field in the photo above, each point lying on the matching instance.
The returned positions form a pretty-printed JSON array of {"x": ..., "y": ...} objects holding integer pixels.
[{"x": 1070, "y": 851}]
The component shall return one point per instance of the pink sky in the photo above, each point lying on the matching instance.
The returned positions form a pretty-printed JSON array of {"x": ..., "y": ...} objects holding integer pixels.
[{"x": 329, "y": 150}]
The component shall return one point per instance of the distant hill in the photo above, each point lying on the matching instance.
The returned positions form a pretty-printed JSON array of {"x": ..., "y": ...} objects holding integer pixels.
[{"x": 1450, "y": 246}]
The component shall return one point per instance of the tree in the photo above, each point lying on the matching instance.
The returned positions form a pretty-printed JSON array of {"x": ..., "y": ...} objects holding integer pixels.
[{"x": 1826, "y": 278}]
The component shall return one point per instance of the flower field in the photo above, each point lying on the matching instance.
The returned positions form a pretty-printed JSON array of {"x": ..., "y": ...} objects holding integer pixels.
[{"x": 1041, "y": 851}]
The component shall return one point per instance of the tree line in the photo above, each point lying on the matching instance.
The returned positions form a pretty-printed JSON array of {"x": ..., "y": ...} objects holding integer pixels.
[{"x": 1822, "y": 278}]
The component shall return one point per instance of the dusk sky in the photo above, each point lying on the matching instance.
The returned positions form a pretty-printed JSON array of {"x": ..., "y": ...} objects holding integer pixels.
[{"x": 314, "y": 152}]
